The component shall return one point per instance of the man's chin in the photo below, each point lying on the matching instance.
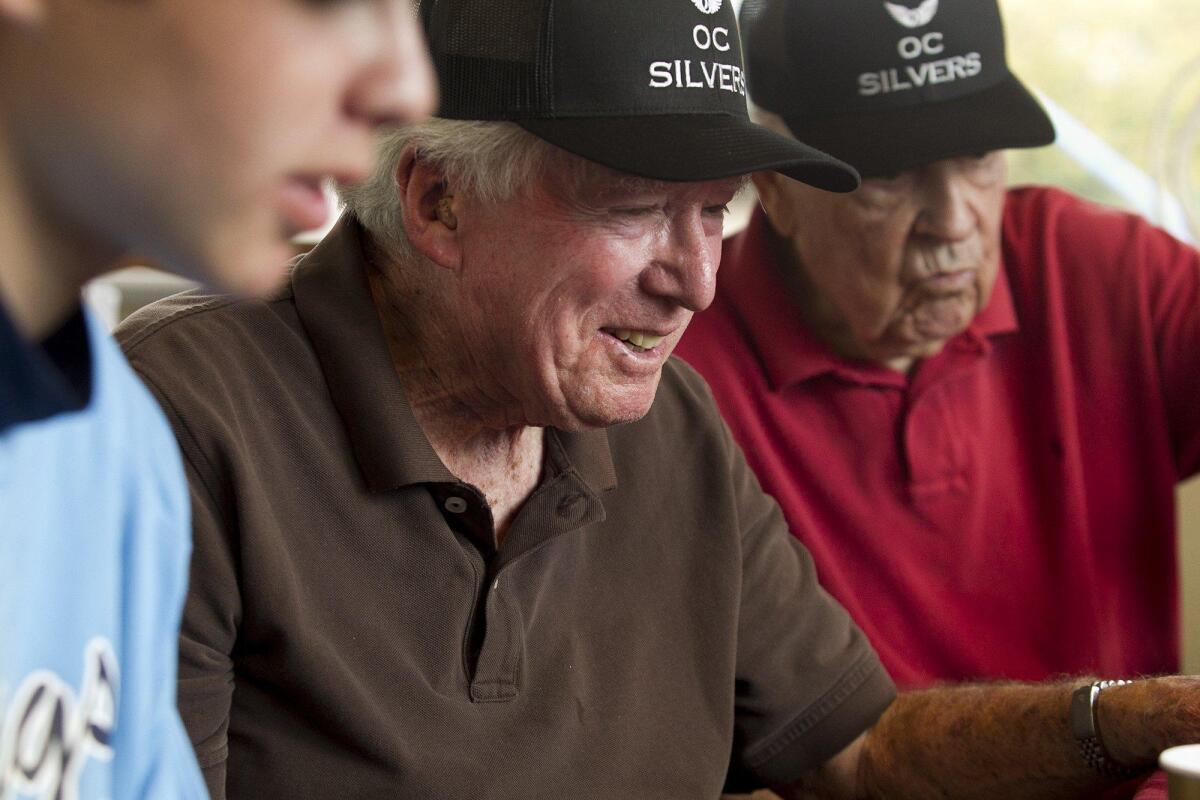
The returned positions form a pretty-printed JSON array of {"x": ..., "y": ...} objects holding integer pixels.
[
  {"x": 925, "y": 331},
  {"x": 943, "y": 318},
  {"x": 609, "y": 412}
]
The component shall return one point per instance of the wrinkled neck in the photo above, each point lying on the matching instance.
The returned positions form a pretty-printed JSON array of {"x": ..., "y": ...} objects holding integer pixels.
[{"x": 473, "y": 429}]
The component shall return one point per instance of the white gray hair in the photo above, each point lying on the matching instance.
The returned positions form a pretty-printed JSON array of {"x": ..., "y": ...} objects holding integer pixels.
[{"x": 491, "y": 161}]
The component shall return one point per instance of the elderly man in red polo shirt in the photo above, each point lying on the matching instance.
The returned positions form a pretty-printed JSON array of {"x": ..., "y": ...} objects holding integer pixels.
[{"x": 972, "y": 403}]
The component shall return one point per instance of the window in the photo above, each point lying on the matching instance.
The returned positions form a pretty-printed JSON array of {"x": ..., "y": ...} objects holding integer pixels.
[{"x": 1122, "y": 80}]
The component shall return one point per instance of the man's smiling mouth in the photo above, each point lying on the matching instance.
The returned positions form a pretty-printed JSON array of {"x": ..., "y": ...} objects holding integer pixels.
[{"x": 639, "y": 341}]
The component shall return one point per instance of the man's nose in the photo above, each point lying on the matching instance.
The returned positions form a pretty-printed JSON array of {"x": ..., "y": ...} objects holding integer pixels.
[
  {"x": 685, "y": 267},
  {"x": 399, "y": 85},
  {"x": 946, "y": 206}
]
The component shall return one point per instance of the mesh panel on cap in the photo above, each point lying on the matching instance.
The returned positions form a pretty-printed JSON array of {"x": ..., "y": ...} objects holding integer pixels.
[
  {"x": 769, "y": 64},
  {"x": 588, "y": 77},
  {"x": 492, "y": 56}
]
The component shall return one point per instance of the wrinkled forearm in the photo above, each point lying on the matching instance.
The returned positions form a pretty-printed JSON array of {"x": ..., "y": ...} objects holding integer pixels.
[
  {"x": 976, "y": 741},
  {"x": 981, "y": 741},
  {"x": 1003, "y": 741},
  {"x": 1139, "y": 721}
]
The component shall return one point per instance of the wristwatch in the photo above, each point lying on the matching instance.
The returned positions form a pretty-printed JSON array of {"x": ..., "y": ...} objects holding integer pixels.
[{"x": 1087, "y": 732}]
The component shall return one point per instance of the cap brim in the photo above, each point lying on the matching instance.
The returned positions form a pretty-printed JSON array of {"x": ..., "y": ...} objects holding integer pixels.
[
  {"x": 893, "y": 140},
  {"x": 692, "y": 147}
]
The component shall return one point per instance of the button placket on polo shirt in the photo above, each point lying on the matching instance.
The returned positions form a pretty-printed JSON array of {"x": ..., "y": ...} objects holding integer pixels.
[
  {"x": 497, "y": 668},
  {"x": 466, "y": 511},
  {"x": 936, "y": 434},
  {"x": 560, "y": 506},
  {"x": 488, "y": 640}
]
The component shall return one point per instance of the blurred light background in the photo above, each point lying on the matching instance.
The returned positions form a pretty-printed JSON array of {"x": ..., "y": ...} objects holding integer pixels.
[{"x": 1123, "y": 81}]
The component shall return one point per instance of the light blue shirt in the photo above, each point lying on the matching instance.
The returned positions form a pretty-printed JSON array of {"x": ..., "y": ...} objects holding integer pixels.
[{"x": 94, "y": 547}]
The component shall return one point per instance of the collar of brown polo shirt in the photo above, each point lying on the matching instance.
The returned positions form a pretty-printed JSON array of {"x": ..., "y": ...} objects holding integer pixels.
[{"x": 334, "y": 303}]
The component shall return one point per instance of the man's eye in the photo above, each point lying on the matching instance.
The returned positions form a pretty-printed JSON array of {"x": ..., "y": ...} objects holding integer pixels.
[
  {"x": 720, "y": 210},
  {"x": 635, "y": 211}
]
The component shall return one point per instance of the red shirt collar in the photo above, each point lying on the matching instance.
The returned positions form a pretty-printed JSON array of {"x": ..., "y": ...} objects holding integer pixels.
[{"x": 787, "y": 350}]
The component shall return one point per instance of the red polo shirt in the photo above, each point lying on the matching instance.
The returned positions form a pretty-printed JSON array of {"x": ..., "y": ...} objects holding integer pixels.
[{"x": 1008, "y": 509}]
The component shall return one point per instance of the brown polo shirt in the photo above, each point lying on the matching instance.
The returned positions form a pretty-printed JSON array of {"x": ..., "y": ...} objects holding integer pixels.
[{"x": 647, "y": 626}]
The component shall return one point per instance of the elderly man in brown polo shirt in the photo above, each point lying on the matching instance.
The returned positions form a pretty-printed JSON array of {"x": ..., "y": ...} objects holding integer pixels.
[{"x": 462, "y": 529}]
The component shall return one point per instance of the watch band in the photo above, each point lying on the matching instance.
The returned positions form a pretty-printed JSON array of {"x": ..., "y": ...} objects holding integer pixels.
[{"x": 1087, "y": 732}]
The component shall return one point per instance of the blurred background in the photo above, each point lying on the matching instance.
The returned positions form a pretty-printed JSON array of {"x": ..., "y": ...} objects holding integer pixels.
[{"x": 1121, "y": 79}]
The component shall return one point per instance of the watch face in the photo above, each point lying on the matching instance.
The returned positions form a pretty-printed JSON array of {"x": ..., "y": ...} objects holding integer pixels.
[
  {"x": 1083, "y": 727},
  {"x": 1083, "y": 722}
]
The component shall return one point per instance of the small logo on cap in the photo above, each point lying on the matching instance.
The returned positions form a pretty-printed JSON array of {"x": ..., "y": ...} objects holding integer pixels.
[
  {"x": 908, "y": 17},
  {"x": 713, "y": 6}
]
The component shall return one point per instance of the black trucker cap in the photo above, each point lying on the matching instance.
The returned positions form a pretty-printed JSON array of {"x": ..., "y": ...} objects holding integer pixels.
[
  {"x": 890, "y": 84},
  {"x": 654, "y": 88}
]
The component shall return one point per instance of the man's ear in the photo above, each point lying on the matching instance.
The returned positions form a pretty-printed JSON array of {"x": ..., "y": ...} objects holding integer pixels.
[
  {"x": 428, "y": 210},
  {"x": 771, "y": 196},
  {"x": 22, "y": 12}
]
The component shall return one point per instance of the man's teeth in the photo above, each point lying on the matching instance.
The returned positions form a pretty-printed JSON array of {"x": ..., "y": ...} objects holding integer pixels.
[{"x": 644, "y": 341}]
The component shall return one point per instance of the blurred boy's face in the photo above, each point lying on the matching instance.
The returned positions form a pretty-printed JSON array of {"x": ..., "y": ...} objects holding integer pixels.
[{"x": 196, "y": 132}]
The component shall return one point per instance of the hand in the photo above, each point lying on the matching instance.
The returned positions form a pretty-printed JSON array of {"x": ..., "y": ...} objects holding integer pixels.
[{"x": 1139, "y": 720}]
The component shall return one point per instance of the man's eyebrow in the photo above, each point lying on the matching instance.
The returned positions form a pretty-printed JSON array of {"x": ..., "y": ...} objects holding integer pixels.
[
  {"x": 592, "y": 187},
  {"x": 632, "y": 184}
]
